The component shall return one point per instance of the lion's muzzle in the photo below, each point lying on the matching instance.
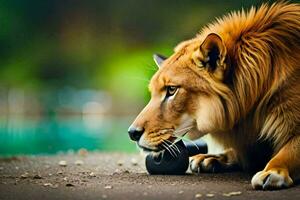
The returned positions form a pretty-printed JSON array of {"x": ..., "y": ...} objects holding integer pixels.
[{"x": 135, "y": 133}]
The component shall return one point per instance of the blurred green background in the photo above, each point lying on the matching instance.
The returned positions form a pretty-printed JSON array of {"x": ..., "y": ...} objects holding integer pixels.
[{"x": 74, "y": 74}]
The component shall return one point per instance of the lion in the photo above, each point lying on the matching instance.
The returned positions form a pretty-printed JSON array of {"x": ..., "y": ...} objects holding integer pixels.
[{"x": 238, "y": 82}]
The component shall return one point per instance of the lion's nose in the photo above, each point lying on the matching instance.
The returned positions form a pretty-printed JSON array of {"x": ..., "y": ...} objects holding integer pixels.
[{"x": 135, "y": 133}]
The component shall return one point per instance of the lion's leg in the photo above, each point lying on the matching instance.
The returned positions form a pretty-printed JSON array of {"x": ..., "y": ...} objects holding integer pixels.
[
  {"x": 211, "y": 163},
  {"x": 280, "y": 170}
]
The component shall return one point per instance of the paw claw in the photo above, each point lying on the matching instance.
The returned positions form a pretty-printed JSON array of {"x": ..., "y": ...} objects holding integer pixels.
[
  {"x": 194, "y": 166},
  {"x": 267, "y": 183},
  {"x": 271, "y": 179}
]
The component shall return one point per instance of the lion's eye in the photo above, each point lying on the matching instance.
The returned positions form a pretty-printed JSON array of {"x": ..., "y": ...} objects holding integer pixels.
[{"x": 171, "y": 90}]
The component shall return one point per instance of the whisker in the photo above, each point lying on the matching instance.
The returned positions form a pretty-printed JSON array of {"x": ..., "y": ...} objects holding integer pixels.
[
  {"x": 173, "y": 145},
  {"x": 185, "y": 133},
  {"x": 185, "y": 130},
  {"x": 140, "y": 79},
  {"x": 170, "y": 147},
  {"x": 191, "y": 141},
  {"x": 182, "y": 137},
  {"x": 167, "y": 148},
  {"x": 149, "y": 66},
  {"x": 180, "y": 130}
]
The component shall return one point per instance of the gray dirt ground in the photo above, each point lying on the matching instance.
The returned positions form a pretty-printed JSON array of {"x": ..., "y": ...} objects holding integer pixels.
[{"x": 117, "y": 176}]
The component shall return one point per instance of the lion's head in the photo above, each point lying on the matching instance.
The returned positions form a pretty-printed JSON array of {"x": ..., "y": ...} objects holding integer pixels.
[{"x": 187, "y": 92}]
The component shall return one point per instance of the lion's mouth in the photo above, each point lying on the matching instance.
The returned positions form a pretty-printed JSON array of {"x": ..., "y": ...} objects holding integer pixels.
[
  {"x": 164, "y": 139},
  {"x": 164, "y": 145}
]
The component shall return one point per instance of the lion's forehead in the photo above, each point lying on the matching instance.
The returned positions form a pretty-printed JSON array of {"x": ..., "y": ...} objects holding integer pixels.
[
  {"x": 156, "y": 82},
  {"x": 168, "y": 75}
]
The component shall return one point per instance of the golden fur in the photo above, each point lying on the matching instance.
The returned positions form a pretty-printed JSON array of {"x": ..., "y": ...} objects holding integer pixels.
[{"x": 238, "y": 80}]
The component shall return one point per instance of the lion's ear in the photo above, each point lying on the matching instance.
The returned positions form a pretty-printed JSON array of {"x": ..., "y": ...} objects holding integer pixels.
[
  {"x": 159, "y": 59},
  {"x": 213, "y": 52}
]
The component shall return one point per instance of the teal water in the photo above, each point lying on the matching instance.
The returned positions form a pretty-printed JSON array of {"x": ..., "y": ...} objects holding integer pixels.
[{"x": 20, "y": 135}]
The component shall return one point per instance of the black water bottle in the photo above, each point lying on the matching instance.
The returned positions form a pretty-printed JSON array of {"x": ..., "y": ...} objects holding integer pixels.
[{"x": 174, "y": 163}]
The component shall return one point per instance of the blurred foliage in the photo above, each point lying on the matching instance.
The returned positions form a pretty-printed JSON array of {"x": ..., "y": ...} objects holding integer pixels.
[
  {"x": 105, "y": 45},
  {"x": 86, "y": 57}
]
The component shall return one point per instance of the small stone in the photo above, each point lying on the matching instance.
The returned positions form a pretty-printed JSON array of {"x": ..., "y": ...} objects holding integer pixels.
[
  {"x": 210, "y": 195},
  {"x": 62, "y": 163},
  {"x": 117, "y": 171},
  {"x": 134, "y": 161},
  {"x": 92, "y": 174},
  {"x": 145, "y": 193},
  {"x": 180, "y": 192},
  {"x": 69, "y": 185},
  {"x": 1, "y": 168},
  {"x": 78, "y": 162},
  {"x": 198, "y": 196},
  {"x": 120, "y": 163},
  {"x": 108, "y": 187},
  {"x": 59, "y": 172},
  {"x": 16, "y": 167},
  {"x": 82, "y": 152},
  {"x": 104, "y": 196},
  {"x": 25, "y": 175},
  {"x": 48, "y": 184},
  {"x": 229, "y": 194},
  {"x": 37, "y": 176},
  {"x": 65, "y": 178},
  {"x": 54, "y": 186}
]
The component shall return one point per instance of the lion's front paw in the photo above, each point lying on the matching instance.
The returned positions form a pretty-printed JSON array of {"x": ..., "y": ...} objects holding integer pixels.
[
  {"x": 272, "y": 179},
  {"x": 206, "y": 163}
]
